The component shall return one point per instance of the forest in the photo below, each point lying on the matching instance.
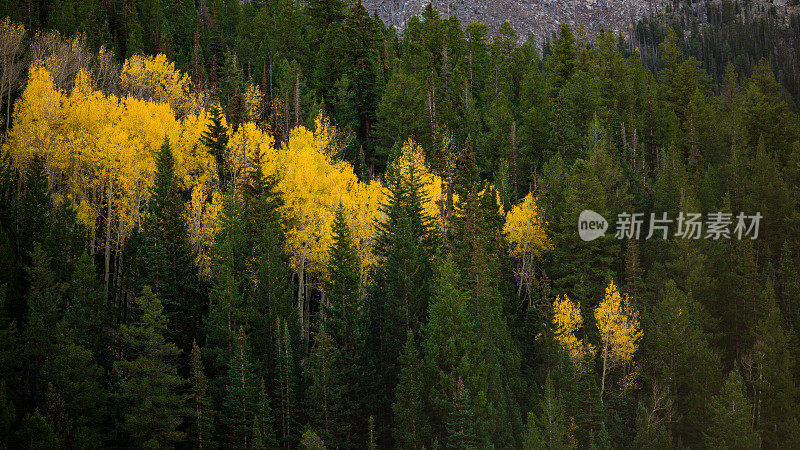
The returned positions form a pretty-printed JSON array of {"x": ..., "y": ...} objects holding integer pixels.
[{"x": 283, "y": 224}]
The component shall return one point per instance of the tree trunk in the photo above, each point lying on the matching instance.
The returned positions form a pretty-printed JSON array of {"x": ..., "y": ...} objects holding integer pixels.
[{"x": 108, "y": 237}]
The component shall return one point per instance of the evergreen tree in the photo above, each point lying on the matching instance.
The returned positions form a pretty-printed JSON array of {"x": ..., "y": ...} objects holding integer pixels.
[
  {"x": 730, "y": 425},
  {"x": 451, "y": 355},
  {"x": 460, "y": 431},
  {"x": 151, "y": 385},
  {"x": 227, "y": 310},
  {"x": 775, "y": 386},
  {"x": 411, "y": 427},
  {"x": 263, "y": 431},
  {"x": 88, "y": 313},
  {"x": 169, "y": 264},
  {"x": 201, "y": 425},
  {"x": 75, "y": 379},
  {"x": 681, "y": 360},
  {"x": 552, "y": 420},
  {"x": 561, "y": 64},
  {"x": 344, "y": 324},
  {"x": 238, "y": 411},
  {"x": 215, "y": 138},
  {"x": 403, "y": 246},
  {"x": 326, "y": 391},
  {"x": 286, "y": 386}
]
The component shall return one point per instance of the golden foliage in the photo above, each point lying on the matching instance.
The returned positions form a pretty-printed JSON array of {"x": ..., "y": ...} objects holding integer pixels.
[
  {"x": 618, "y": 323},
  {"x": 567, "y": 321},
  {"x": 155, "y": 78},
  {"x": 525, "y": 229}
]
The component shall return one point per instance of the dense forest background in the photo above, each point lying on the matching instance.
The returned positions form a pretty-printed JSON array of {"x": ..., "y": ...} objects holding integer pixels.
[{"x": 280, "y": 224}]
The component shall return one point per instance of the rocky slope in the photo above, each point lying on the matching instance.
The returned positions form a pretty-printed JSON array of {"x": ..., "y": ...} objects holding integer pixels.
[{"x": 535, "y": 18}]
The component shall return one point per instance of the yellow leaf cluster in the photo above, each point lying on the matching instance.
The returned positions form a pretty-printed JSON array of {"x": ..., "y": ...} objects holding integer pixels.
[
  {"x": 412, "y": 156},
  {"x": 155, "y": 78},
  {"x": 618, "y": 323},
  {"x": 525, "y": 229},
  {"x": 567, "y": 321},
  {"x": 100, "y": 149},
  {"x": 100, "y": 152}
]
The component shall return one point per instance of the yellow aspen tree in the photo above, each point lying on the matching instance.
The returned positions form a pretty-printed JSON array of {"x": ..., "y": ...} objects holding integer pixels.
[
  {"x": 567, "y": 322},
  {"x": 620, "y": 332},
  {"x": 526, "y": 233},
  {"x": 155, "y": 78}
]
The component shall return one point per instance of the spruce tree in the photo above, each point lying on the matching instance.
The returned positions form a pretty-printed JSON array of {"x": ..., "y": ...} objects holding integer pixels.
[
  {"x": 451, "y": 353},
  {"x": 76, "y": 380},
  {"x": 552, "y": 420},
  {"x": 151, "y": 385},
  {"x": 239, "y": 404},
  {"x": 344, "y": 323},
  {"x": 730, "y": 425},
  {"x": 402, "y": 285},
  {"x": 460, "y": 432},
  {"x": 215, "y": 138},
  {"x": 88, "y": 311},
  {"x": 168, "y": 261},
  {"x": 411, "y": 428},
  {"x": 263, "y": 430},
  {"x": 201, "y": 415},
  {"x": 285, "y": 386},
  {"x": 777, "y": 391},
  {"x": 326, "y": 391}
]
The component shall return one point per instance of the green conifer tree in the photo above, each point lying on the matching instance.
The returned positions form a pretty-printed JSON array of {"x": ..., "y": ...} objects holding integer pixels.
[
  {"x": 730, "y": 425},
  {"x": 201, "y": 415},
  {"x": 239, "y": 405},
  {"x": 151, "y": 385},
  {"x": 168, "y": 262}
]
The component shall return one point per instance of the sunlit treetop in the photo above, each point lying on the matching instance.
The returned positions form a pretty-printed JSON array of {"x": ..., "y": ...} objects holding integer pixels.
[
  {"x": 525, "y": 229},
  {"x": 155, "y": 78}
]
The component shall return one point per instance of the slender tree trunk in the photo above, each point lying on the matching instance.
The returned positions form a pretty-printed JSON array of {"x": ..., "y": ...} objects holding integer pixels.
[
  {"x": 108, "y": 237},
  {"x": 301, "y": 289},
  {"x": 297, "y": 99},
  {"x": 603, "y": 379}
]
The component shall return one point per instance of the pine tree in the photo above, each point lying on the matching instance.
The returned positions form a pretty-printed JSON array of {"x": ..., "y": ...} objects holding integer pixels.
[
  {"x": 552, "y": 420},
  {"x": 342, "y": 284},
  {"x": 169, "y": 264},
  {"x": 776, "y": 390},
  {"x": 88, "y": 312},
  {"x": 460, "y": 432},
  {"x": 344, "y": 323},
  {"x": 215, "y": 138},
  {"x": 240, "y": 397},
  {"x": 451, "y": 354},
  {"x": 327, "y": 390},
  {"x": 532, "y": 439},
  {"x": 227, "y": 309},
  {"x": 561, "y": 64},
  {"x": 263, "y": 431},
  {"x": 730, "y": 425},
  {"x": 200, "y": 415},
  {"x": 151, "y": 384},
  {"x": 411, "y": 428},
  {"x": 285, "y": 379},
  {"x": 269, "y": 293},
  {"x": 399, "y": 303},
  {"x": 75, "y": 378},
  {"x": 45, "y": 300},
  {"x": 681, "y": 360}
]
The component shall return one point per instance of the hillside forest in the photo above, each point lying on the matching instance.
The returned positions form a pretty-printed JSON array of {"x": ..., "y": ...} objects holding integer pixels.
[{"x": 282, "y": 224}]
